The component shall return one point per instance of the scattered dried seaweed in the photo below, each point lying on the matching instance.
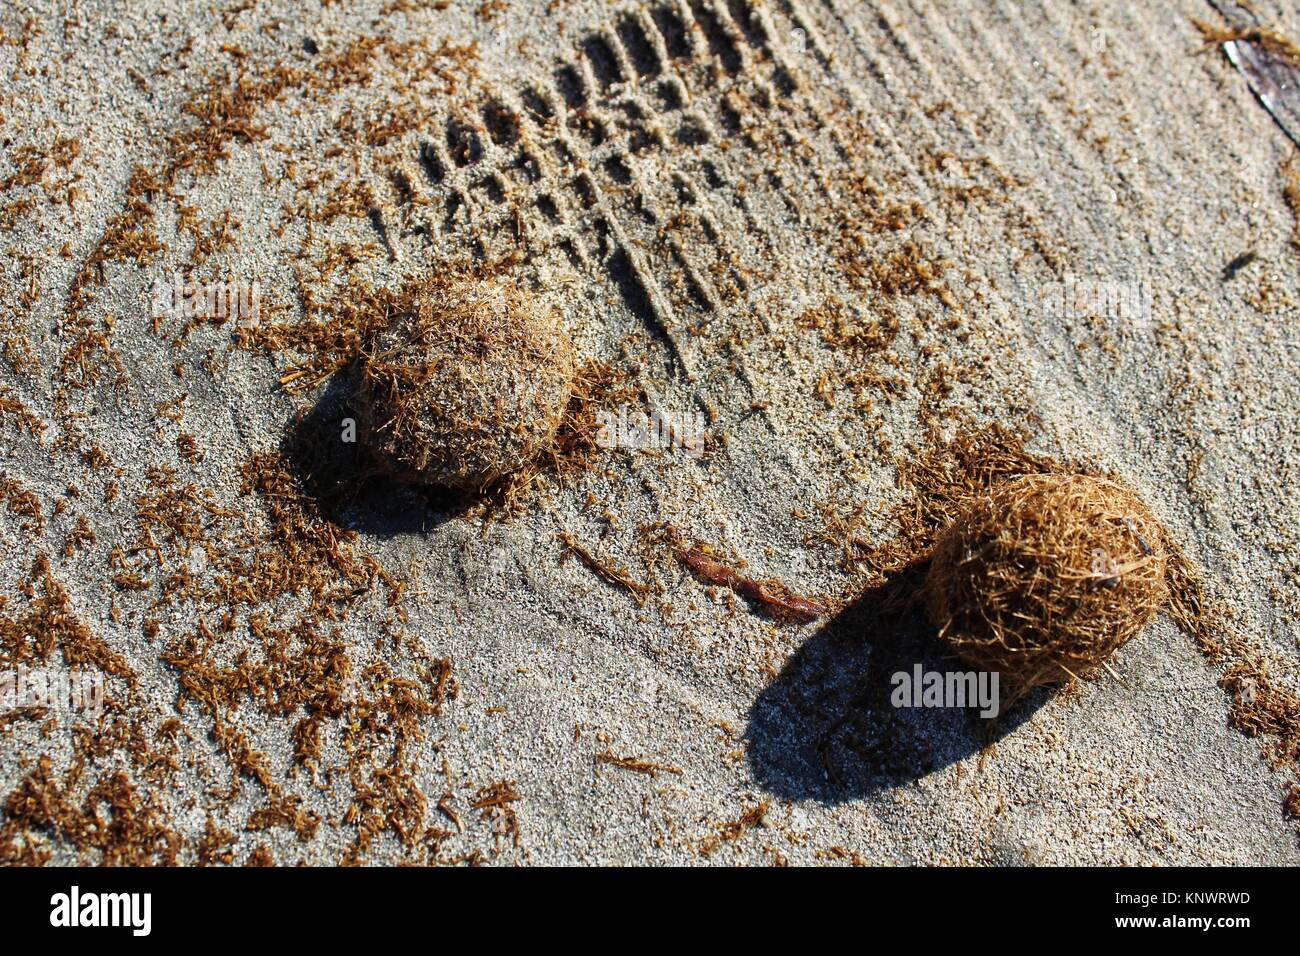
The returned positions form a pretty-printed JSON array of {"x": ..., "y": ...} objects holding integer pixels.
[
  {"x": 190, "y": 551},
  {"x": 81, "y": 537},
  {"x": 937, "y": 483},
  {"x": 50, "y": 623},
  {"x": 1261, "y": 703},
  {"x": 1278, "y": 44},
  {"x": 215, "y": 846},
  {"x": 224, "y": 113},
  {"x": 22, "y": 417},
  {"x": 841, "y": 327},
  {"x": 1291, "y": 193},
  {"x": 126, "y": 827},
  {"x": 495, "y": 803},
  {"x": 22, "y": 501},
  {"x": 1292, "y": 802},
  {"x": 732, "y": 830}
]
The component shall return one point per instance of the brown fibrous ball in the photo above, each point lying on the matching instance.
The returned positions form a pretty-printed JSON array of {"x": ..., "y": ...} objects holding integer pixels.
[
  {"x": 1045, "y": 576},
  {"x": 466, "y": 387}
]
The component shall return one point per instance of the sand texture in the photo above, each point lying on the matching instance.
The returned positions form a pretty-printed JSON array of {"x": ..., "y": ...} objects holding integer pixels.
[{"x": 848, "y": 240}]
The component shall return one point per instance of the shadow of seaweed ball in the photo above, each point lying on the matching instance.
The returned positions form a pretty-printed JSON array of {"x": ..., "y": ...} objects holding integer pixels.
[
  {"x": 466, "y": 387},
  {"x": 1045, "y": 576}
]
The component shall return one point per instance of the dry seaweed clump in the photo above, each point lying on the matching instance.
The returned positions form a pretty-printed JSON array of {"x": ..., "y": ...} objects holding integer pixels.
[
  {"x": 1044, "y": 576},
  {"x": 466, "y": 387}
]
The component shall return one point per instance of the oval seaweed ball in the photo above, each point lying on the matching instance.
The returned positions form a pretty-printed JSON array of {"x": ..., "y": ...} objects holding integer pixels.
[
  {"x": 466, "y": 387},
  {"x": 1045, "y": 576}
]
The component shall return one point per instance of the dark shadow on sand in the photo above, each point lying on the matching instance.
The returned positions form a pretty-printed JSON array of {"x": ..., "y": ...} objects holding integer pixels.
[
  {"x": 339, "y": 476},
  {"x": 825, "y": 728}
]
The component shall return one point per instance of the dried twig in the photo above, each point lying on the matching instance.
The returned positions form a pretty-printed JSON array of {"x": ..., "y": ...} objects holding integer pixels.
[{"x": 772, "y": 595}]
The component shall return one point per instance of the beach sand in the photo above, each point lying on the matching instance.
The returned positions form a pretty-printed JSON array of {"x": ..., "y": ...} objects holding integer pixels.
[{"x": 839, "y": 237}]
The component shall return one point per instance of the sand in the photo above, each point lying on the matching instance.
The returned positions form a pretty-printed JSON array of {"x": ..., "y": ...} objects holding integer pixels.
[{"x": 837, "y": 233}]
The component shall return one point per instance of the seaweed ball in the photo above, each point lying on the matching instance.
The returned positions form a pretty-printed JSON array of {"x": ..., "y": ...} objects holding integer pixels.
[{"x": 465, "y": 387}]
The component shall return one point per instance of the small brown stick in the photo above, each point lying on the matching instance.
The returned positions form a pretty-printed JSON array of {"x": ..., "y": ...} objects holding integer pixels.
[
  {"x": 772, "y": 595},
  {"x": 444, "y": 807},
  {"x": 496, "y": 796},
  {"x": 613, "y": 575},
  {"x": 637, "y": 764}
]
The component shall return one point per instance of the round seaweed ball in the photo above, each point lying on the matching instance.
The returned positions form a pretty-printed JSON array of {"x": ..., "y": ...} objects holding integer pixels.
[
  {"x": 1045, "y": 576},
  {"x": 466, "y": 387}
]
